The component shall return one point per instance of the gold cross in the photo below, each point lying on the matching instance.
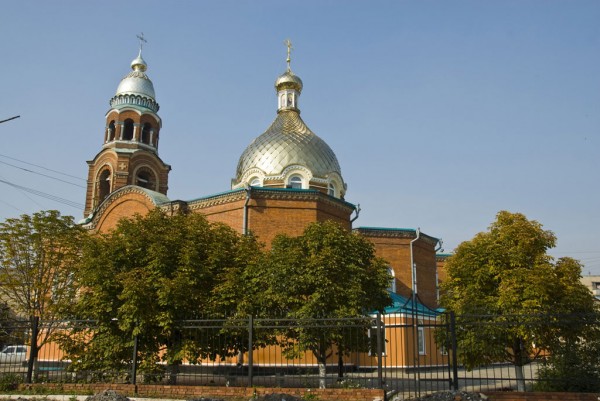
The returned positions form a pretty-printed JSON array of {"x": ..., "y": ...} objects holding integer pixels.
[
  {"x": 142, "y": 40},
  {"x": 288, "y": 43},
  {"x": 123, "y": 166}
]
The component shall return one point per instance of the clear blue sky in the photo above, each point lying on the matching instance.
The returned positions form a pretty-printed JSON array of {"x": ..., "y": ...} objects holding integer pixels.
[{"x": 441, "y": 113}]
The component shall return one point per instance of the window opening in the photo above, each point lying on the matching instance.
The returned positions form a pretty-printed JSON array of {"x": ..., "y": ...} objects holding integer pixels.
[
  {"x": 392, "y": 286},
  {"x": 295, "y": 182},
  {"x": 331, "y": 189},
  {"x": 103, "y": 185},
  {"x": 145, "y": 179},
  {"x": 111, "y": 131},
  {"x": 128, "y": 130},
  {"x": 421, "y": 337},
  {"x": 146, "y": 133}
]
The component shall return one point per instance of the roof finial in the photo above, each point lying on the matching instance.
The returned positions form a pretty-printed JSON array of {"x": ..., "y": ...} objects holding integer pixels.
[
  {"x": 142, "y": 40},
  {"x": 288, "y": 43}
]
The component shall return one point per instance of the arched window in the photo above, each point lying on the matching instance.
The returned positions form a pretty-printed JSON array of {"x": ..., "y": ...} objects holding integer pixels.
[
  {"x": 103, "y": 185},
  {"x": 295, "y": 182},
  {"x": 111, "y": 131},
  {"x": 255, "y": 182},
  {"x": 146, "y": 133},
  {"x": 331, "y": 189},
  {"x": 128, "y": 130},
  {"x": 145, "y": 178},
  {"x": 392, "y": 287}
]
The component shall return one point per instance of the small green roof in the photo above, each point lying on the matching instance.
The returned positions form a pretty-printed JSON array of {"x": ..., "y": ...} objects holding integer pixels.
[{"x": 401, "y": 304}]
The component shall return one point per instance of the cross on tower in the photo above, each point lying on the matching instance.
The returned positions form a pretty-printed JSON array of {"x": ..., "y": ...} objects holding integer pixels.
[
  {"x": 142, "y": 40},
  {"x": 288, "y": 43}
]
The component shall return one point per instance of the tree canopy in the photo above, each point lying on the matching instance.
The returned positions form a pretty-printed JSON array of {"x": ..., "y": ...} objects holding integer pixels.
[
  {"x": 327, "y": 272},
  {"x": 143, "y": 279},
  {"x": 505, "y": 278},
  {"x": 38, "y": 255}
]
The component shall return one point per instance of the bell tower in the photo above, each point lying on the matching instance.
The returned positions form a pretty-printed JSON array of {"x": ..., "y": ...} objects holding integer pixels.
[{"x": 129, "y": 154}]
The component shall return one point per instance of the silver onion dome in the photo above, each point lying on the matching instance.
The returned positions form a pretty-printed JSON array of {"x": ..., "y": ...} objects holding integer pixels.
[
  {"x": 136, "y": 89},
  {"x": 288, "y": 141}
]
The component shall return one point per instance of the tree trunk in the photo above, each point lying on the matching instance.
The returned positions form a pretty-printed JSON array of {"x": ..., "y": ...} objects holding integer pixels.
[
  {"x": 340, "y": 365},
  {"x": 172, "y": 371},
  {"x": 519, "y": 361},
  {"x": 520, "y": 378},
  {"x": 322, "y": 371}
]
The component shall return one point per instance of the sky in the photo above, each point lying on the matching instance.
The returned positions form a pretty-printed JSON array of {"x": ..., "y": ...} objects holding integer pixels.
[{"x": 441, "y": 113}]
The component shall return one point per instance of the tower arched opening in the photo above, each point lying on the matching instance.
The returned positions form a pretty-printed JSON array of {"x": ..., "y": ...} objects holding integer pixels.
[
  {"x": 104, "y": 181},
  {"x": 128, "y": 129},
  {"x": 146, "y": 133},
  {"x": 145, "y": 178}
]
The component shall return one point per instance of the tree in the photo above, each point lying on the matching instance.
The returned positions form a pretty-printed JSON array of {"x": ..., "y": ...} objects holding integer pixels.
[
  {"x": 510, "y": 297},
  {"x": 142, "y": 280},
  {"x": 326, "y": 273},
  {"x": 38, "y": 255}
]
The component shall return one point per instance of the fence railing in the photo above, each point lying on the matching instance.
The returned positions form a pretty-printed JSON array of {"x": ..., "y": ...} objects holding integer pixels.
[{"x": 410, "y": 354}]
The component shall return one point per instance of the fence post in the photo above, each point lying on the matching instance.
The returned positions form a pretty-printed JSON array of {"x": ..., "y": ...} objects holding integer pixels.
[
  {"x": 250, "y": 346},
  {"x": 134, "y": 366},
  {"x": 453, "y": 347},
  {"x": 379, "y": 352}
]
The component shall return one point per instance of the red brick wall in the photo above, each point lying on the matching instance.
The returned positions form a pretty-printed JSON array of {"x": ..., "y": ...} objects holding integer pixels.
[
  {"x": 269, "y": 217},
  {"x": 396, "y": 251},
  {"x": 160, "y": 391}
]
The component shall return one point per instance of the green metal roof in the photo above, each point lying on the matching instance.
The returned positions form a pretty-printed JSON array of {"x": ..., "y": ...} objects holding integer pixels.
[{"x": 408, "y": 306}]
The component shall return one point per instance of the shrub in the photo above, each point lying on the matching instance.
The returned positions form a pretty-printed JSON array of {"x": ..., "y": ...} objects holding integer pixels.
[
  {"x": 573, "y": 367},
  {"x": 10, "y": 381}
]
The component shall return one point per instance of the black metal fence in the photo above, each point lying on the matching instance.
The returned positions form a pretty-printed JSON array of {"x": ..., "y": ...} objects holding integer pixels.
[{"x": 406, "y": 354}]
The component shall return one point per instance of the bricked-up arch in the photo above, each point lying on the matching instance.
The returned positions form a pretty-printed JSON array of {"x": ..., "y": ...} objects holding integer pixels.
[{"x": 128, "y": 129}]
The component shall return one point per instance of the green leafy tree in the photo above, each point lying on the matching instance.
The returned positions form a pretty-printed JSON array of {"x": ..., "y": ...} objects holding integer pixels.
[
  {"x": 573, "y": 366},
  {"x": 9, "y": 327},
  {"x": 143, "y": 279},
  {"x": 38, "y": 255},
  {"x": 328, "y": 272},
  {"x": 510, "y": 297}
]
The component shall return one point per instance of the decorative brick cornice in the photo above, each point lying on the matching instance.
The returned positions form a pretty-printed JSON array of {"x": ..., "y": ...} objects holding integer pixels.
[
  {"x": 218, "y": 199},
  {"x": 405, "y": 233},
  {"x": 272, "y": 194}
]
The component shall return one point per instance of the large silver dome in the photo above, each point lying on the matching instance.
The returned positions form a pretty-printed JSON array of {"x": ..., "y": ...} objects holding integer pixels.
[
  {"x": 288, "y": 154},
  {"x": 288, "y": 141}
]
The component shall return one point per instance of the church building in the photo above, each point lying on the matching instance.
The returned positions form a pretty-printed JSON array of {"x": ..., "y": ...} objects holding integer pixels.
[{"x": 286, "y": 178}]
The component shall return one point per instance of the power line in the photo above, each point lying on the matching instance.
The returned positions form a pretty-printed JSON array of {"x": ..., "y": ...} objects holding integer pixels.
[
  {"x": 42, "y": 167},
  {"x": 25, "y": 194},
  {"x": 8, "y": 119},
  {"x": 45, "y": 195},
  {"x": 43, "y": 175}
]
